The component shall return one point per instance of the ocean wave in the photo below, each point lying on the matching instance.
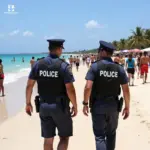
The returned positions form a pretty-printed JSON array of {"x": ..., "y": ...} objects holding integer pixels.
[
  {"x": 12, "y": 77},
  {"x": 17, "y": 65}
]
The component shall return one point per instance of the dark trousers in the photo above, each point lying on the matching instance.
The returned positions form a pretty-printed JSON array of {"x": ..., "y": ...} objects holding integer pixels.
[{"x": 104, "y": 127}]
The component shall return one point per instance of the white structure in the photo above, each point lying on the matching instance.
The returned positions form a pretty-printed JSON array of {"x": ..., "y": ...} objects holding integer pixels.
[{"x": 146, "y": 49}]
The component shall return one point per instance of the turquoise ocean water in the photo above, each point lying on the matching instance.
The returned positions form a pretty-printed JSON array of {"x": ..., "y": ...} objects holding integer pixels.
[{"x": 17, "y": 69}]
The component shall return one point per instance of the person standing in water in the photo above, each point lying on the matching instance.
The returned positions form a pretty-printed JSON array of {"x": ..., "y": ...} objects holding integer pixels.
[
  {"x": 144, "y": 62},
  {"x": 23, "y": 59},
  {"x": 1, "y": 78},
  {"x": 77, "y": 63},
  {"x": 32, "y": 61},
  {"x": 130, "y": 65}
]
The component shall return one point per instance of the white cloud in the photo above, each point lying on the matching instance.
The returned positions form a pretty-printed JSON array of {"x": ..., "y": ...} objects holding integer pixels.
[
  {"x": 15, "y": 32},
  {"x": 93, "y": 24},
  {"x": 27, "y": 33}
]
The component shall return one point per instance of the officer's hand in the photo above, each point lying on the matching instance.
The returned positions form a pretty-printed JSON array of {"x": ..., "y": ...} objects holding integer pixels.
[
  {"x": 85, "y": 110},
  {"x": 29, "y": 109},
  {"x": 74, "y": 111},
  {"x": 125, "y": 113}
]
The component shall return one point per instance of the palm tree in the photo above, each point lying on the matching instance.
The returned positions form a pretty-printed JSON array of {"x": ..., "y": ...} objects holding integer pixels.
[
  {"x": 122, "y": 44},
  {"x": 115, "y": 43},
  {"x": 138, "y": 39},
  {"x": 147, "y": 36}
]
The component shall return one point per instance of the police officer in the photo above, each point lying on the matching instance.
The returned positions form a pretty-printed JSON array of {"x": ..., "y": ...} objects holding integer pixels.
[
  {"x": 55, "y": 87},
  {"x": 103, "y": 83}
]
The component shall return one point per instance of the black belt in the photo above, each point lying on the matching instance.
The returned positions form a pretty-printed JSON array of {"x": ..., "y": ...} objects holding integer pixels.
[
  {"x": 51, "y": 99},
  {"x": 105, "y": 97}
]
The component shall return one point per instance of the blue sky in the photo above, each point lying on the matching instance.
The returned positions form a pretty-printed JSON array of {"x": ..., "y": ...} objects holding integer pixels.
[{"x": 82, "y": 23}]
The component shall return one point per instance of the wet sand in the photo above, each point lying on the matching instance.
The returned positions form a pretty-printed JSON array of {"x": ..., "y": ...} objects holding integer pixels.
[{"x": 23, "y": 132}]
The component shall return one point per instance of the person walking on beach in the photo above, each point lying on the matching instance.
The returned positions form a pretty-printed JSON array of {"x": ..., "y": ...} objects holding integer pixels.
[
  {"x": 63, "y": 58},
  {"x": 144, "y": 63},
  {"x": 77, "y": 63},
  {"x": 122, "y": 61},
  {"x": 32, "y": 61},
  {"x": 83, "y": 59},
  {"x": 71, "y": 61},
  {"x": 88, "y": 61},
  {"x": 74, "y": 60},
  {"x": 92, "y": 59},
  {"x": 1, "y": 78},
  {"x": 138, "y": 64},
  {"x": 131, "y": 67},
  {"x": 55, "y": 88},
  {"x": 103, "y": 88}
]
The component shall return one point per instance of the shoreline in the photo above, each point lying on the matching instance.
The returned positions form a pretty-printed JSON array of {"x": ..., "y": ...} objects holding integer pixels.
[
  {"x": 14, "y": 100},
  {"x": 24, "y": 132}
]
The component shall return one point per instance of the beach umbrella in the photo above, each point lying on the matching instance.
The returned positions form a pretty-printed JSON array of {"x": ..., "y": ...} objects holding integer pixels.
[
  {"x": 146, "y": 49},
  {"x": 125, "y": 51},
  {"x": 135, "y": 50}
]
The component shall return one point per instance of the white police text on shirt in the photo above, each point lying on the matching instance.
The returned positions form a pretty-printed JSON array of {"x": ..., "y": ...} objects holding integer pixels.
[
  {"x": 110, "y": 74},
  {"x": 44, "y": 73}
]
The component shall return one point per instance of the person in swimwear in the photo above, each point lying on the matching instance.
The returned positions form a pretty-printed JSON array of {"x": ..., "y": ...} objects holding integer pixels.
[
  {"x": 23, "y": 59},
  {"x": 74, "y": 60},
  {"x": 63, "y": 58},
  {"x": 32, "y": 61},
  {"x": 88, "y": 61},
  {"x": 117, "y": 60},
  {"x": 1, "y": 78},
  {"x": 122, "y": 61},
  {"x": 144, "y": 62},
  {"x": 138, "y": 64},
  {"x": 130, "y": 65},
  {"x": 92, "y": 59},
  {"x": 71, "y": 61},
  {"x": 77, "y": 63}
]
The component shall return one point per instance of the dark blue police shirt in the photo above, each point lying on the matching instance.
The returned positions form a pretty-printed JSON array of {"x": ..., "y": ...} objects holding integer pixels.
[
  {"x": 68, "y": 76},
  {"x": 101, "y": 106}
]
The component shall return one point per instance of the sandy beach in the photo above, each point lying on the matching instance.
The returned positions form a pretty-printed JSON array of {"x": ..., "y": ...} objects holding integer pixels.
[{"x": 21, "y": 132}]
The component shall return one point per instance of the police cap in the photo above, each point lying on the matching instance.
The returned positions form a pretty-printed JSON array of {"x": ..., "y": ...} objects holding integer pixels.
[
  {"x": 54, "y": 43},
  {"x": 106, "y": 46}
]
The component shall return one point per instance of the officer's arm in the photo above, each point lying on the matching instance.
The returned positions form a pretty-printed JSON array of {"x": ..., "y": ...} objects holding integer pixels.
[
  {"x": 89, "y": 83},
  {"x": 29, "y": 88},
  {"x": 71, "y": 94},
  {"x": 30, "y": 84},
  {"x": 68, "y": 80},
  {"x": 125, "y": 87},
  {"x": 87, "y": 90}
]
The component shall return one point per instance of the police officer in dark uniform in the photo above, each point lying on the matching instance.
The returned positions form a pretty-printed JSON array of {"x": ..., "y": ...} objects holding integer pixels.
[
  {"x": 55, "y": 88},
  {"x": 103, "y": 88}
]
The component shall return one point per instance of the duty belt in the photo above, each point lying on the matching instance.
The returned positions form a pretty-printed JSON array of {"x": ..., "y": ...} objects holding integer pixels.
[
  {"x": 51, "y": 99},
  {"x": 105, "y": 97}
]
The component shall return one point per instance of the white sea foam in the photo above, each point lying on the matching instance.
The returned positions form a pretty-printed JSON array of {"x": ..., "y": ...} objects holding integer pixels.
[
  {"x": 17, "y": 65},
  {"x": 12, "y": 77}
]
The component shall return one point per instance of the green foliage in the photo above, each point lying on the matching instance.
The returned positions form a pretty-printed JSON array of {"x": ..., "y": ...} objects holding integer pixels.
[{"x": 139, "y": 38}]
